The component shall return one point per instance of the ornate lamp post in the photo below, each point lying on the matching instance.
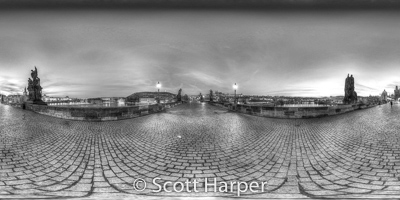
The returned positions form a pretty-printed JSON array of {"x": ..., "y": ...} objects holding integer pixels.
[
  {"x": 158, "y": 93},
  {"x": 235, "y": 88}
]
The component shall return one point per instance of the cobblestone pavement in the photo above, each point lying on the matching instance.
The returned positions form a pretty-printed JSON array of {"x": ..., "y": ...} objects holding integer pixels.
[{"x": 351, "y": 155}]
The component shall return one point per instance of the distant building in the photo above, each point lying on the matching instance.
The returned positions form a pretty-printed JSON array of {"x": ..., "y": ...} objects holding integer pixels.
[
  {"x": 46, "y": 98},
  {"x": 336, "y": 99},
  {"x": 370, "y": 99},
  {"x": 106, "y": 100},
  {"x": 95, "y": 100},
  {"x": 13, "y": 99},
  {"x": 257, "y": 100},
  {"x": 24, "y": 96},
  {"x": 151, "y": 97}
]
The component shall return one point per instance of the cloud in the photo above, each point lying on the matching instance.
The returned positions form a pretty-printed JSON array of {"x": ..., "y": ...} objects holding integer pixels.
[
  {"x": 117, "y": 53},
  {"x": 8, "y": 87},
  {"x": 363, "y": 87},
  {"x": 393, "y": 84},
  {"x": 205, "y": 78}
]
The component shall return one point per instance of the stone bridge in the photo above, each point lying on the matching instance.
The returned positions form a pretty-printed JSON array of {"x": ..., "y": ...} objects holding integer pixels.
[{"x": 356, "y": 154}]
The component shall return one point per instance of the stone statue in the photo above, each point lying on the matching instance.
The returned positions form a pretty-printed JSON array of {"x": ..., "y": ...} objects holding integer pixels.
[
  {"x": 34, "y": 73},
  {"x": 179, "y": 96},
  {"x": 384, "y": 95},
  {"x": 350, "y": 96},
  {"x": 38, "y": 89},
  {"x": 396, "y": 93},
  {"x": 30, "y": 89},
  {"x": 34, "y": 88}
]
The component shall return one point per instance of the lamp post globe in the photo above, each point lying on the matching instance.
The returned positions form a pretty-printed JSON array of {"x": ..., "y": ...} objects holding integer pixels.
[
  {"x": 158, "y": 93},
  {"x": 235, "y": 86},
  {"x": 158, "y": 86}
]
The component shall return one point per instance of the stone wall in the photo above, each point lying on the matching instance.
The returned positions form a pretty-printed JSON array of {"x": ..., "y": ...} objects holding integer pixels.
[
  {"x": 98, "y": 113},
  {"x": 291, "y": 112}
]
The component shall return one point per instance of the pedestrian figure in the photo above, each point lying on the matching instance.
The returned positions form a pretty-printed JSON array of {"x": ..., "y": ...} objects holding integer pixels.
[{"x": 391, "y": 103}]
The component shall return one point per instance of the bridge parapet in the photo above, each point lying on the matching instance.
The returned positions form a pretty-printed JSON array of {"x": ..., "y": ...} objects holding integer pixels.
[
  {"x": 99, "y": 113},
  {"x": 291, "y": 112}
]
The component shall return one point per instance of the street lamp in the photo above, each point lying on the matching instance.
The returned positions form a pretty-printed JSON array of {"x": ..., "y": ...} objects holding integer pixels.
[
  {"x": 158, "y": 93},
  {"x": 235, "y": 88}
]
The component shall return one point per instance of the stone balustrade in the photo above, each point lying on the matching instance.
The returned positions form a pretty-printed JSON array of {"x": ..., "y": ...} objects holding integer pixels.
[
  {"x": 99, "y": 113},
  {"x": 291, "y": 112}
]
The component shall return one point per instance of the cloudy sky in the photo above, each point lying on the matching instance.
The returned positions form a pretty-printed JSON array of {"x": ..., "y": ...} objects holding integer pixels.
[{"x": 97, "y": 53}]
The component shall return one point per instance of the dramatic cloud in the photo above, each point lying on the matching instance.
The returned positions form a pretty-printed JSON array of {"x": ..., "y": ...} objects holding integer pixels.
[{"x": 116, "y": 53}]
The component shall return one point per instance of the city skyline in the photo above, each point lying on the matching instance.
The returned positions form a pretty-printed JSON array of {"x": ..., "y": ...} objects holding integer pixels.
[{"x": 91, "y": 53}]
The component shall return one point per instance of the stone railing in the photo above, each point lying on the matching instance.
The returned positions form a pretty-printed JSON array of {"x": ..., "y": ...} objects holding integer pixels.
[
  {"x": 291, "y": 112},
  {"x": 17, "y": 105},
  {"x": 99, "y": 113}
]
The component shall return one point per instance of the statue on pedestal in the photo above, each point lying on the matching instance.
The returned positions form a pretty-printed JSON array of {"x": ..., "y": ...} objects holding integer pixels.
[
  {"x": 34, "y": 88},
  {"x": 179, "y": 96},
  {"x": 350, "y": 96},
  {"x": 396, "y": 93},
  {"x": 384, "y": 95},
  {"x": 30, "y": 89}
]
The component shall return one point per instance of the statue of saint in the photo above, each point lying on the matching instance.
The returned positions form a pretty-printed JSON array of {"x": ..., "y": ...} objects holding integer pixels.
[
  {"x": 350, "y": 96},
  {"x": 30, "y": 89},
  {"x": 34, "y": 73},
  {"x": 38, "y": 89},
  {"x": 351, "y": 82},
  {"x": 179, "y": 96},
  {"x": 34, "y": 88}
]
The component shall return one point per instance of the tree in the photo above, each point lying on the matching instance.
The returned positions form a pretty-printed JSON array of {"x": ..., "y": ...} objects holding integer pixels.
[{"x": 211, "y": 95}]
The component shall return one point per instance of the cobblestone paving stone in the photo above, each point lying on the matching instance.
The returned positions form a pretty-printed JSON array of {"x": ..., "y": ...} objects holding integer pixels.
[{"x": 351, "y": 155}]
